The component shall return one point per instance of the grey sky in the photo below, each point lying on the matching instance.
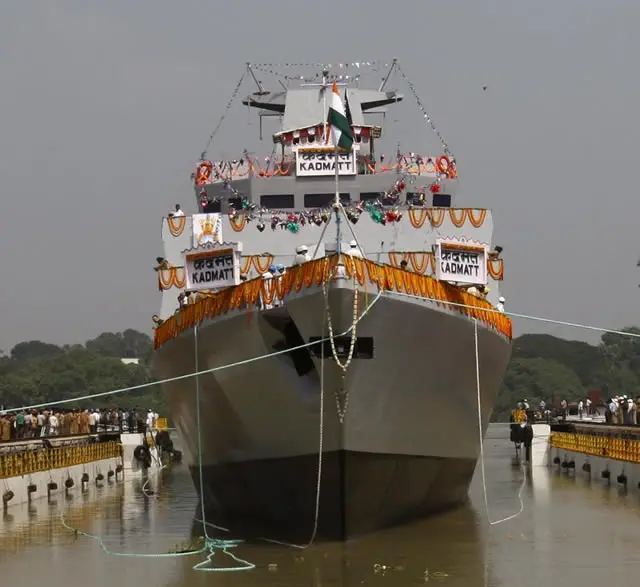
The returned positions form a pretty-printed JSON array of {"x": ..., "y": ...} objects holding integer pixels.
[{"x": 105, "y": 107}]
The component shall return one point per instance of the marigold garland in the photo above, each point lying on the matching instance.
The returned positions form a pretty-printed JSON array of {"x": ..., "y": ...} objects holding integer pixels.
[
  {"x": 176, "y": 225},
  {"x": 458, "y": 221},
  {"x": 479, "y": 221},
  {"x": 238, "y": 222},
  {"x": 436, "y": 216},
  {"x": 315, "y": 272},
  {"x": 418, "y": 217},
  {"x": 496, "y": 268},
  {"x": 171, "y": 277}
]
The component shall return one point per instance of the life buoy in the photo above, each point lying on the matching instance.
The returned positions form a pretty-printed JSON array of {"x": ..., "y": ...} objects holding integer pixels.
[
  {"x": 443, "y": 163},
  {"x": 203, "y": 174}
]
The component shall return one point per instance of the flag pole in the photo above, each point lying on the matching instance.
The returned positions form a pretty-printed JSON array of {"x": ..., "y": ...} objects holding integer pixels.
[{"x": 336, "y": 203}]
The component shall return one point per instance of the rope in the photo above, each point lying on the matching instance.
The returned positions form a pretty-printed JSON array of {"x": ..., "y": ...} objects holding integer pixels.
[
  {"x": 516, "y": 315},
  {"x": 203, "y": 156},
  {"x": 211, "y": 545},
  {"x": 481, "y": 438},
  {"x": 189, "y": 375},
  {"x": 320, "y": 461}
]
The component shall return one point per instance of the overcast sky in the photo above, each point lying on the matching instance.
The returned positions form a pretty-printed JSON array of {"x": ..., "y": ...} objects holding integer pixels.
[{"x": 106, "y": 106}]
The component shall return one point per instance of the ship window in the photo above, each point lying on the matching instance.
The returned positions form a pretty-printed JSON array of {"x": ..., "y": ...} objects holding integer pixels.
[
  {"x": 416, "y": 198},
  {"x": 277, "y": 201},
  {"x": 441, "y": 200},
  {"x": 236, "y": 203},
  {"x": 372, "y": 196},
  {"x": 211, "y": 208},
  {"x": 324, "y": 200}
]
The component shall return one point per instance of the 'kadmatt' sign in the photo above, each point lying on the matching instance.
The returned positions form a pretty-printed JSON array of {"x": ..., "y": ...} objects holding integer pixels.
[{"x": 310, "y": 163}]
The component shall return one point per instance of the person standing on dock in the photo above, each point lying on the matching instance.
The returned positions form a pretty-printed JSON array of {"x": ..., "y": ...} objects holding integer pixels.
[
  {"x": 5, "y": 428},
  {"x": 631, "y": 412},
  {"x": 580, "y": 409}
]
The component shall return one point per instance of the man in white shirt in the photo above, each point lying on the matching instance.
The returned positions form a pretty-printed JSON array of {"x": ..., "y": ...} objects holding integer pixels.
[
  {"x": 177, "y": 213},
  {"x": 500, "y": 304},
  {"x": 53, "y": 424},
  {"x": 302, "y": 255},
  {"x": 354, "y": 250}
]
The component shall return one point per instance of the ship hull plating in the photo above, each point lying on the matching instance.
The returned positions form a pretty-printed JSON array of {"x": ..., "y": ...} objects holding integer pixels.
[{"x": 407, "y": 445}]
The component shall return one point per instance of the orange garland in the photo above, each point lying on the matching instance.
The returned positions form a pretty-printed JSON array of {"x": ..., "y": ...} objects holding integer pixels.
[
  {"x": 417, "y": 217},
  {"x": 316, "y": 272},
  {"x": 168, "y": 278},
  {"x": 176, "y": 225}
]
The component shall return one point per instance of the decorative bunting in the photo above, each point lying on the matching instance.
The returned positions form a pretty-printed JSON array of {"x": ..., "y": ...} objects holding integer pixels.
[{"x": 316, "y": 272}]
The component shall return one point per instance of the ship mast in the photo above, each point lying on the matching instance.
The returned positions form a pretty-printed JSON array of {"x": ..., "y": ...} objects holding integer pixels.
[{"x": 336, "y": 203}]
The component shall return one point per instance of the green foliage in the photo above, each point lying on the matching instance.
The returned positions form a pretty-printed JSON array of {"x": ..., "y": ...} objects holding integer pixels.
[
  {"x": 550, "y": 368},
  {"x": 38, "y": 372}
]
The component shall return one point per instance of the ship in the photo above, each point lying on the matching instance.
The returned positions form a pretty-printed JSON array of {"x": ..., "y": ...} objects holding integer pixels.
[{"x": 342, "y": 310}]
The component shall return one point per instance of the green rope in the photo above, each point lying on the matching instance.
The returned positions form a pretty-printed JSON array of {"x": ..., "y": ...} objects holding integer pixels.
[
  {"x": 195, "y": 374},
  {"x": 211, "y": 545}
]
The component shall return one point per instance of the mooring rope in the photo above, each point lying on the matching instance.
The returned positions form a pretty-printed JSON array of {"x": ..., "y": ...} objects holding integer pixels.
[
  {"x": 481, "y": 439},
  {"x": 213, "y": 545}
]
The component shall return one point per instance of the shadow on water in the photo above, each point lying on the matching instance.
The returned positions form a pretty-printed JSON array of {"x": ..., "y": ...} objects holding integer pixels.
[{"x": 447, "y": 549}]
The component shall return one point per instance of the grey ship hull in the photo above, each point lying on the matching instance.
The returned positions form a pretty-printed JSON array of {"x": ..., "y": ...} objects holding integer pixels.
[{"x": 408, "y": 445}]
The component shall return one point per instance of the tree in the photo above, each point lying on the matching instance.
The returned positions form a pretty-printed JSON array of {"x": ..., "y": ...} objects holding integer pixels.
[
  {"x": 39, "y": 372},
  {"x": 34, "y": 349}
]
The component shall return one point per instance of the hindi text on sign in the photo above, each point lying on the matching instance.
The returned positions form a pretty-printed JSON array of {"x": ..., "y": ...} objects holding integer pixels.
[
  {"x": 461, "y": 265},
  {"x": 212, "y": 269},
  {"x": 319, "y": 163}
]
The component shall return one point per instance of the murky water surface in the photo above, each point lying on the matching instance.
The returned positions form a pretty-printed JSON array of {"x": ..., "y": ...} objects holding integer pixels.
[{"x": 571, "y": 532}]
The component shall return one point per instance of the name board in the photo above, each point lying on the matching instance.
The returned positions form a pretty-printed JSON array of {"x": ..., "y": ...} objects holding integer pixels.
[
  {"x": 212, "y": 269},
  {"x": 461, "y": 263},
  {"x": 319, "y": 163}
]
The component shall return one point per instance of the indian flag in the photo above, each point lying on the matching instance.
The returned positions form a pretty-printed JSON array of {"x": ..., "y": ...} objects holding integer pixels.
[{"x": 338, "y": 123}]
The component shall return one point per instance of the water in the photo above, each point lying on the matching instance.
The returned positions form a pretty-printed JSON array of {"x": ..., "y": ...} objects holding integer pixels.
[{"x": 571, "y": 532}]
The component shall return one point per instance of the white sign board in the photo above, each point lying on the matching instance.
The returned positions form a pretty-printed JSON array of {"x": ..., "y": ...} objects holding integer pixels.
[
  {"x": 207, "y": 228},
  {"x": 461, "y": 262},
  {"x": 214, "y": 268},
  {"x": 316, "y": 163}
]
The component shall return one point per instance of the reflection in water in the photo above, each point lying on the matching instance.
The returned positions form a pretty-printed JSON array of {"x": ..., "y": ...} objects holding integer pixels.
[
  {"x": 447, "y": 548},
  {"x": 573, "y": 531}
]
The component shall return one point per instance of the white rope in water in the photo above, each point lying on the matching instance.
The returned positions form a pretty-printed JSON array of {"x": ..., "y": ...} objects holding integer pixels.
[{"x": 481, "y": 439}]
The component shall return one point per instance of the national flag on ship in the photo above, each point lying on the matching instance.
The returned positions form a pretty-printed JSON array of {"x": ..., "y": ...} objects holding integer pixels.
[{"x": 338, "y": 123}]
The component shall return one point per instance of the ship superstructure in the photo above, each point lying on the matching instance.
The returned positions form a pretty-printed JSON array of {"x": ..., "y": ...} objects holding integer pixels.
[{"x": 366, "y": 300}]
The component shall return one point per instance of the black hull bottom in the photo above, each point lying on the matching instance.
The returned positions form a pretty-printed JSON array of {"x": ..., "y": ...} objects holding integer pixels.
[{"x": 360, "y": 493}]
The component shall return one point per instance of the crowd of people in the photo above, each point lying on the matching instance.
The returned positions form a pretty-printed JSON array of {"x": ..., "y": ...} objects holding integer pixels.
[
  {"x": 623, "y": 410},
  {"x": 620, "y": 410},
  {"x": 30, "y": 424}
]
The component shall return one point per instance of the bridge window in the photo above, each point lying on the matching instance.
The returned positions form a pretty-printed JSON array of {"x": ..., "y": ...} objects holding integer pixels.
[
  {"x": 416, "y": 198},
  {"x": 441, "y": 200},
  {"x": 372, "y": 196},
  {"x": 211, "y": 208},
  {"x": 324, "y": 200},
  {"x": 277, "y": 201}
]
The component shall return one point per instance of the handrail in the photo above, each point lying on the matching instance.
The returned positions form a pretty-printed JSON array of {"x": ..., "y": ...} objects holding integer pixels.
[
  {"x": 35, "y": 461},
  {"x": 620, "y": 449}
]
